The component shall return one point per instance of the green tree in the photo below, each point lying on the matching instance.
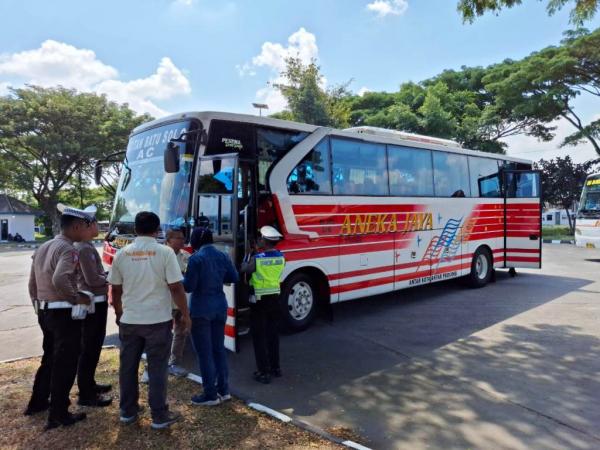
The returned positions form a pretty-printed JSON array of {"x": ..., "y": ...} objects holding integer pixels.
[
  {"x": 541, "y": 87},
  {"x": 562, "y": 181},
  {"x": 49, "y": 135},
  {"x": 582, "y": 10},
  {"x": 306, "y": 98}
]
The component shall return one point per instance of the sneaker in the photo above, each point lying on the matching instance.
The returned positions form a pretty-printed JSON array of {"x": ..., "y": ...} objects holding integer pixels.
[
  {"x": 130, "y": 419},
  {"x": 224, "y": 397},
  {"x": 203, "y": 400},
  {"x": 169, "y": 419},
  {"x": 66, "y": 421},
  {"x": 145, "y": 378},
  {"x": 177, "y": 371}
]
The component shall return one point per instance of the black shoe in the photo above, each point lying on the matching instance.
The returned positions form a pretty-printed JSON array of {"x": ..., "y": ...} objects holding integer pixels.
[
  {"x": 34, "y": 409},
  {"x": 276, "y": 373},
  {"x": 66, "y": 421},
  {"x": 102, "y": 388},
  {"x": 262, "y": 377},
  {"x": 99, "y": 401}
]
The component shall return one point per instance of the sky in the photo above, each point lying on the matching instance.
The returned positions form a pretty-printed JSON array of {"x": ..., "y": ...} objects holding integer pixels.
[{"x": 168, "y": 56}]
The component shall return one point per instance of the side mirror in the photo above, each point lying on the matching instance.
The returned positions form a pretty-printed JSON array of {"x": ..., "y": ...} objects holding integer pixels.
[
  {"x": 98, "y": 172},
  {"x": 171, "y": 158}
]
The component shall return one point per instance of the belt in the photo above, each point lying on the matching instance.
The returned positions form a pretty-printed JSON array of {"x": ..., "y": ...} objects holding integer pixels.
[
  {"x": 56, "y": 305},
  {"x": 99, "y": 298}
]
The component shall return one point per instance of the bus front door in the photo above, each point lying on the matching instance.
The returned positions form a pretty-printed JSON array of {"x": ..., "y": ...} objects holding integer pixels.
[
  {"x": 522, "y": 219},
  {"x": 217, "y": 187}
]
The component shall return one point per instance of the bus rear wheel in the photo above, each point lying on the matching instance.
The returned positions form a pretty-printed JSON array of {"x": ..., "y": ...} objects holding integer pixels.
[
  {"x": 481, "y": 268},
  {"x": 298, "y": 302}
]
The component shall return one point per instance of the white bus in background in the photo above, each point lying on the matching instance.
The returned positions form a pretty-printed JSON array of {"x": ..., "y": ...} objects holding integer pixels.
[{"x": 587, "y": 225}]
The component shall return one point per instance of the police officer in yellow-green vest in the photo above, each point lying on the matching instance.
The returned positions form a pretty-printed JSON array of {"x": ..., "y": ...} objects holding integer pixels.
[{"x": 266, "y": 268}]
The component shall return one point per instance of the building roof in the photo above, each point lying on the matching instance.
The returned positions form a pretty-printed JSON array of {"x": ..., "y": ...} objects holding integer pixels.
[{"x": 11, "y": 205}]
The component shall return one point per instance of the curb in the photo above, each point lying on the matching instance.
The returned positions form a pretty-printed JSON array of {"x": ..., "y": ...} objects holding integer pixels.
[
  {"x": 287, "y": 419},
  {"x": 558, "y": 241}
]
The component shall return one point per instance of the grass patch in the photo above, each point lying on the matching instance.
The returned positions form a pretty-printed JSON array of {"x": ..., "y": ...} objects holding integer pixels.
[
  {"x": 230, "y": 425},
  {"x": 556, "y": 232}
]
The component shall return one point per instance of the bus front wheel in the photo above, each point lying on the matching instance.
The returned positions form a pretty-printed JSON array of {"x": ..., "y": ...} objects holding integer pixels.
[
  {"x": 481, "y": 268},
  {"x": 298, "y": 302}
]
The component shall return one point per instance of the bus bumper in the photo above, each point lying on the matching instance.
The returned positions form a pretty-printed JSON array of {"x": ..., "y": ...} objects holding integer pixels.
[{"x": 587, "y": 242}]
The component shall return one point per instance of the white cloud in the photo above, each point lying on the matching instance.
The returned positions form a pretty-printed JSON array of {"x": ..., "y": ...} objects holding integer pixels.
[
  {"x": 57, "y": 63},
  {"x": 528, "y": 147},
  {"x": 363, "y": 90},
  {"x": 4, "y": 88},
  {"x": 185, "y": 2},
  {"x": 301, "y": 44},
  {"x": 168, "y": 81},
  {"x": 386, "y": 7}
]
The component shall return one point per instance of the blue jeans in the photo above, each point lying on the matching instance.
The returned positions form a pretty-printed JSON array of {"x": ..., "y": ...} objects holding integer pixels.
[{"x": 208, "y": 337}]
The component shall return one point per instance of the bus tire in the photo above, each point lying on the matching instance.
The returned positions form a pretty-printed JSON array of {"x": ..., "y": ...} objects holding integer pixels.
[
  {"x": 481, "y": 268},
  {"x": 298, "y": 302}
]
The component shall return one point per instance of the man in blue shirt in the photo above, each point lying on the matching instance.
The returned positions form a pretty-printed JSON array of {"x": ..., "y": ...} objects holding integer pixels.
[{"x": 208, "y": 269}]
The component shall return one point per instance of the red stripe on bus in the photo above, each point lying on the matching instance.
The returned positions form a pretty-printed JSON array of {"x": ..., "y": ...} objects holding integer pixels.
[
  {"x": 229, "y": 331},
  {"x": 231, "y": 312},
  {"x": 355, "y": 209},
  {"x": 523, "y": 250},
  {"x": 521, "y": 259}
]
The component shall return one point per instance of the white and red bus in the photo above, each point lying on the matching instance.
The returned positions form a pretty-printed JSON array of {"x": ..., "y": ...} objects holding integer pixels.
[
  {"x": 363, "y": 211},
  {"x": 587, "y": 220}
]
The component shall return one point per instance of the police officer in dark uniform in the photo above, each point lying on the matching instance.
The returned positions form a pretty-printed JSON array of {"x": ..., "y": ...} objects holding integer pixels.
[
  {"x": 53, "y": 291},
  {"x": 92, "y": 280}
]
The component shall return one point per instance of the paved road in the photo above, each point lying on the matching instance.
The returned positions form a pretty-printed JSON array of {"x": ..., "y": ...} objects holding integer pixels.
[
  {"x": 514, "y": 365},
  {"x": 19, "y": 331}
]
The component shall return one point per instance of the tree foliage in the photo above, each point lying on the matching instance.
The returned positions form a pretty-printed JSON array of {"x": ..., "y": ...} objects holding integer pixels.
[
  {"x": 562, "y": 181},
  {"x": 541, "y": 87},
  {"x": 50, "y": 135},
  {"x": 307, "y": 100},
  {"x": 581, "y": 10}
]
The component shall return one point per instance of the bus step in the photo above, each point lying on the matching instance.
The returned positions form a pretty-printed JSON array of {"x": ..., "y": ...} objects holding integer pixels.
[{"x": 243, "y": 331}]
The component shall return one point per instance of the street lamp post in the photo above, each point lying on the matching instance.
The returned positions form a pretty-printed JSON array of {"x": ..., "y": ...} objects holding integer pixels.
[{"x": 260, "y": 107}]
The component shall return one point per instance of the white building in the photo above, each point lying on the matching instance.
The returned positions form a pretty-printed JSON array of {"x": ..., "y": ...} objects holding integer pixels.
[
  {"x": 556, "y": 216},
  {"x": 16, "y": 217}
]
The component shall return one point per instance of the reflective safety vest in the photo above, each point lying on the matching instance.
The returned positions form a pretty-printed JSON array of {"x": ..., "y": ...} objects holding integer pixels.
[{"x": 266, "y": 279}]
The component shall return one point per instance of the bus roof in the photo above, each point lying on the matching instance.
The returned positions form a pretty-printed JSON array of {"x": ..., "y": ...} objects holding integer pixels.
[{"x": 371, "y": 134}]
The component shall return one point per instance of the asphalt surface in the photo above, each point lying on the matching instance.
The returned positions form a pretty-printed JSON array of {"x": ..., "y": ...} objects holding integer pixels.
[{"x": 514, "y": 365}]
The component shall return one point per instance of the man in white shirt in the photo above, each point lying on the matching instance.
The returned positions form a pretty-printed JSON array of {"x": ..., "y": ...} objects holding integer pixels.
[{"x": 145, "y": 277}]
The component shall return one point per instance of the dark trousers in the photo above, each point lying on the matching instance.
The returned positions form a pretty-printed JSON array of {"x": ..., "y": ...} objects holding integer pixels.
[
  {"x": 56, "y": 374},
  {"x": 92, "y": 338},
  {"x": 264, "y": 321},
  {"x": 155, "y": 339},
  {"x": 208, "y": 337}
]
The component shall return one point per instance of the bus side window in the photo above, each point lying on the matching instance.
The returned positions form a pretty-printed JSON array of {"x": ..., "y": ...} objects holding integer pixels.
[
  {"x": 411, "y": 173},
  {"x": 359, "y": 168},
  {"x": 485, "y": 177},
  {"x": 450, "y": 174},
  {"x": 313, "y": 174}
]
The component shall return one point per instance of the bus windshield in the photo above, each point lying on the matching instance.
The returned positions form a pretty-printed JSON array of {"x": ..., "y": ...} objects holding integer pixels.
[
  {"x": 590, "y": 199},
  {"x": 144, "y": 184}
]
